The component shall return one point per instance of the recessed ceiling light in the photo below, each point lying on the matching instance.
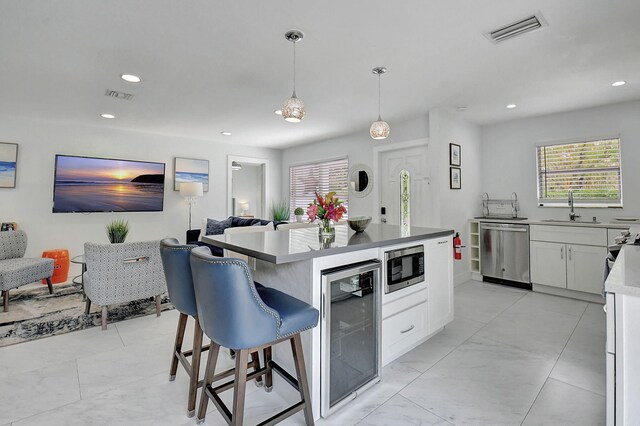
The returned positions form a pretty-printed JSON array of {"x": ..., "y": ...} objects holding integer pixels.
[
  {"x": 107, "y": 115},
  {"x": 462, "y": 108},
  {"x": 130, "y": 78},
  {"x": 225, "y": 133},
  {"x": 278, "y": 112},
  {"x": 618, "y": 83},
  {"x": 511, "y": 106}
]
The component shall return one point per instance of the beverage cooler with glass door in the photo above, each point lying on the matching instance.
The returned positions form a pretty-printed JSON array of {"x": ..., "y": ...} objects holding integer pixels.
[{"x": 350, "y": 333}]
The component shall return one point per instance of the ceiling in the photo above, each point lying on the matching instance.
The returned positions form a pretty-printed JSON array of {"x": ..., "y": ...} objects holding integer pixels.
[{"x": 212, "y": 66}]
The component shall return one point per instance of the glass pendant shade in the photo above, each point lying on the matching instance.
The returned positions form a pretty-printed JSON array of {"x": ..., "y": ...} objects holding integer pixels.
[
  {"x": 293, "y": 109},
  {"x": 379, "y": 129}
]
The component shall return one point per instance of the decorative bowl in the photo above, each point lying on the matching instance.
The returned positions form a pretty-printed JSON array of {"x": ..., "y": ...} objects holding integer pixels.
[{"x": 359, "y": 223}]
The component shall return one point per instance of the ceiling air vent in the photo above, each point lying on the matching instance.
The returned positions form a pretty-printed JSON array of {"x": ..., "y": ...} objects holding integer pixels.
[
  {"x": 119, "y": 95},
  {"x": 517, "y": 28}
]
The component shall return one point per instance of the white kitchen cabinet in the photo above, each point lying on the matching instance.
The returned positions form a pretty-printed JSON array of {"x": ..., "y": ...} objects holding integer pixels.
[
  {"x": 585, "y": 268},
  {"x": 548, "y": 264},
  {"x": 439, "y": 266},
  {"x": 568, "y": 257}
]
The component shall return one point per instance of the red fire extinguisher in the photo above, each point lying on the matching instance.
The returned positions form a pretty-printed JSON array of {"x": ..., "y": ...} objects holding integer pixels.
[{"x": 457, "y": 247}]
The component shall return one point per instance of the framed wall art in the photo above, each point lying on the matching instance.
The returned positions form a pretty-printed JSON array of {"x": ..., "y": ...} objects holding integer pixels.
[
  {"x": 454, "y": 154},
  {"x": 455, "y": 178},
  {"x": 190, "y": 170},
  {"x": 8, "y": 164}
]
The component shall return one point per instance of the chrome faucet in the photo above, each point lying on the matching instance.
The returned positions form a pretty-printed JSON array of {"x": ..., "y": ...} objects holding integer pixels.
[{"x": 572, "y": 214}]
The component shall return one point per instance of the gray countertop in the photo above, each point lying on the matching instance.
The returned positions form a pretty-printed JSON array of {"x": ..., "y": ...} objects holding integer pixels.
[
  {"x": 301, "y": 244},
  {"x": 611, "y": 225},
  {"x": 625, "y": 275}
]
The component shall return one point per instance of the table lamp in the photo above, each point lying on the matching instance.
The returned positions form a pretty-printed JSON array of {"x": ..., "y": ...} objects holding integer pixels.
[
  {"x": 244, "y": 209},
  {"x": 191, "y": 191}
]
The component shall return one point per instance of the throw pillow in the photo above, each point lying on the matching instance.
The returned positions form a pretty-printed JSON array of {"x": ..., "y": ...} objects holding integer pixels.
[{"x": 217, "y": 227}]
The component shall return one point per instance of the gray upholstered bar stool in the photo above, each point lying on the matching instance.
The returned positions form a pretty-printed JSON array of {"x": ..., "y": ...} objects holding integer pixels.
[
  {"x": 234, "y": 314},
  {"x": 177, "y": 270}
]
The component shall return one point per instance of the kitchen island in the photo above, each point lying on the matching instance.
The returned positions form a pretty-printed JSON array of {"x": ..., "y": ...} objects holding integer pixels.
[{"x": 294, "y": 260}]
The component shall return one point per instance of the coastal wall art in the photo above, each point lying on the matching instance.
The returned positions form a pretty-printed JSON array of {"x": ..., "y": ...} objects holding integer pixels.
[
  {"x": 88, "y": 184},
  {"x": 190, "y": 170},
  {"x": 8, "y": 164}
]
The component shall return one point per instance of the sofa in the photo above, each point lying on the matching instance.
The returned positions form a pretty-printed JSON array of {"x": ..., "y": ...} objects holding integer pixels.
[{"x": 216, "y": 227}]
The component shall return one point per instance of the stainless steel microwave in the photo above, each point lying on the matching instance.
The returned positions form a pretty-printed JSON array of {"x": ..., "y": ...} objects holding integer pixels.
[{"x": 404, "y": 267}]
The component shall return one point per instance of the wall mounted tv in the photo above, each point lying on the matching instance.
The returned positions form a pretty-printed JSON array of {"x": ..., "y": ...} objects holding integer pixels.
[{"x": 87, "y": 184}]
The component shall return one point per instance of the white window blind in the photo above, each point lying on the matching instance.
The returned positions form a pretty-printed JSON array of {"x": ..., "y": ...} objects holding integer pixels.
[
  {"x": 591, "y": 169},
  {"x": 325, "y": 177}
]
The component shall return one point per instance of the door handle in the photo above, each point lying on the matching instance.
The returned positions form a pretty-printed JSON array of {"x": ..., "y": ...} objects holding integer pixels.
[
  {"x": 411, "y": 327},
  {"x": 491, "y": 228},
  {"x": 562, "y": 252},
  {"x": 323, "y": 307},
  {"x": 569, "y": 252}
]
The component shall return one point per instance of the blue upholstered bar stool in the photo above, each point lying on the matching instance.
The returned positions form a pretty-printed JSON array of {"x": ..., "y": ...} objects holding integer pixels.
[
  {"x": 177, "y": 271},
  {"x": 235, "y": 315}
]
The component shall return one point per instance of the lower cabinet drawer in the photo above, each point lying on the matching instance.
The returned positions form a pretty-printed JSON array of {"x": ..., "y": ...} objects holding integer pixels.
[{"x": 403, "y": 330}]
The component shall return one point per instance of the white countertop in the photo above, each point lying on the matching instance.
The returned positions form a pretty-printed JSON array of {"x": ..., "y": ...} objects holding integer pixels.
[
  {"x": 625, "y": 275},
  {"x": 611, "y": 225}
]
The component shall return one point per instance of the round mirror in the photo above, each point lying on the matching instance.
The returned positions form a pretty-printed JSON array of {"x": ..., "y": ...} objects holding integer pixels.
[{"x": 360, "y": 180}]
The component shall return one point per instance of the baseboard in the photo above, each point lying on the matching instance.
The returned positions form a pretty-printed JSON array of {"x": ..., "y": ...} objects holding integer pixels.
[
  {"x": 476, "y": 276},
  {"x": 564, "y": 292},
  {"x": 462, "y": 277}
]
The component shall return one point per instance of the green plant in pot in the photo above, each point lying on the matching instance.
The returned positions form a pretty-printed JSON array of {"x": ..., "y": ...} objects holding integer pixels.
[
  {"x": 298, "y": 212},
  {"x": 280, "y": 211},
  {"x": 117, "y": 231}
]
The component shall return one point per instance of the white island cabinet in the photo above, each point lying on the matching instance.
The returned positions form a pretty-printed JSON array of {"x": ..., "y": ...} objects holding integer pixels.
[
  {"x": 623, "y": 339},
  {"x": 294, "y": 261}
]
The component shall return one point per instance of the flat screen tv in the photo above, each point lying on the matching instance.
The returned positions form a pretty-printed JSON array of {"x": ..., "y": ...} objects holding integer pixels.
[{"x": 87, "y": 184}]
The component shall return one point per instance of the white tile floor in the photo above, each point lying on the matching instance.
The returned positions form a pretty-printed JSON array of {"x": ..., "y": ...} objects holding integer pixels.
[{"x": 510, "y": 357}]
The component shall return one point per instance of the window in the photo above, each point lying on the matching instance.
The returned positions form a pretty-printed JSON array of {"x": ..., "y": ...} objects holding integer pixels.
[
  {"x": 591, "y": 169},
  {"x": 328, "y": 176}
]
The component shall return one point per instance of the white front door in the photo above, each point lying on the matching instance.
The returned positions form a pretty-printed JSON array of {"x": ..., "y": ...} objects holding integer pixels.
[{"x": 391, "y": 163}]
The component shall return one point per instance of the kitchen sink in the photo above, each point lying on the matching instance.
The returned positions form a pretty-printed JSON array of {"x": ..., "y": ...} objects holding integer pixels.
[{"x": 582, "y": 222}]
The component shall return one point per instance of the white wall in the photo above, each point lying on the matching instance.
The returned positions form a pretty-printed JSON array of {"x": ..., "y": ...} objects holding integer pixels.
[
  {"x": 508, "y": 152},
  {"x": 359, "y": 148},
  {"x": 247, "y": 188},
  {"x": 456, "y": 207},
  {"x": 30, "y": 203}
]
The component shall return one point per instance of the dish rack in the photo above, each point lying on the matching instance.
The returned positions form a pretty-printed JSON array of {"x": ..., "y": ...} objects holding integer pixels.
[{"x": 500, "y": 204}]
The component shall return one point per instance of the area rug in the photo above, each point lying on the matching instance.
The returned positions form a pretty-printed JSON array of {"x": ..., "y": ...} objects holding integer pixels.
[{"x": 34, "y": 313}]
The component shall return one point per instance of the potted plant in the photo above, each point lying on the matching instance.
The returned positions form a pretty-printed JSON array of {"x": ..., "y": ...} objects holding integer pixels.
[
  {"x": 117, "y": 231},
  {"x": 280, "y": 211},
  {"x": 299, "y": 211}
]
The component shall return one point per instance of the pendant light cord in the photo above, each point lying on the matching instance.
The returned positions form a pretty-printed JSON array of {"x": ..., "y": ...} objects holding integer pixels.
[
  {"x": 379, "y": 96},
  {"x": 294, "y": 68}
]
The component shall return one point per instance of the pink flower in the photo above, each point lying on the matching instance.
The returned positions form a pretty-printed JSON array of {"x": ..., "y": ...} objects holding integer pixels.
[{"x": 312, "y": 211}]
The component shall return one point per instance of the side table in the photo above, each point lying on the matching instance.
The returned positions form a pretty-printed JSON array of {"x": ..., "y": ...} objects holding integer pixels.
[{"x": 79, "y": 279}]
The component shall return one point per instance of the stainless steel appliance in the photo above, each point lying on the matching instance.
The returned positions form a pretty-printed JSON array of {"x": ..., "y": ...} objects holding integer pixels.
[
  {"x": 405, "y": 267},
  {"x": 350, "y": 333},
  {"x": 504, "y": 251}
]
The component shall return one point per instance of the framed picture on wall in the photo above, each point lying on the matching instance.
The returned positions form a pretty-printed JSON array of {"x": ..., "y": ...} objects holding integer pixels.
[
  {"x": 8, "y": 164},
  {"x": 190, "y": 170},
  {"x": 454, "y": 154},
  {"x": 455, "y": 178}
]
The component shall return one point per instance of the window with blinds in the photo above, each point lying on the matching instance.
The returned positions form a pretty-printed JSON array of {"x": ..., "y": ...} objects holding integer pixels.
[
  {"x": 591, "y": 169},
  {"x": 328, "y": 176}
]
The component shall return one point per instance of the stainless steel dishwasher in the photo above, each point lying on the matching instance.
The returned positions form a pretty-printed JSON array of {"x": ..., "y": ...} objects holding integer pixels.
[{"x": 504, "y": 254}]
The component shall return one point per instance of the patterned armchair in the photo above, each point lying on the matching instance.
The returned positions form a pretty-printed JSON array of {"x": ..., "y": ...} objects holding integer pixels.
[
  {"x": 15, "y": 269},
  {"x": 120, "y": 273}
]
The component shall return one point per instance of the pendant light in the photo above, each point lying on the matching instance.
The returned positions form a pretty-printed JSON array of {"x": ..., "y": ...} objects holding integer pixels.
[
  {"x": 380, "y": 128},
  {"x": 293, "y": 108}
]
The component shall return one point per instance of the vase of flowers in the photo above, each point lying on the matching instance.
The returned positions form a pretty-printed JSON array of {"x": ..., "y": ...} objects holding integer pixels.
[{"x": 328, "y": 209}]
